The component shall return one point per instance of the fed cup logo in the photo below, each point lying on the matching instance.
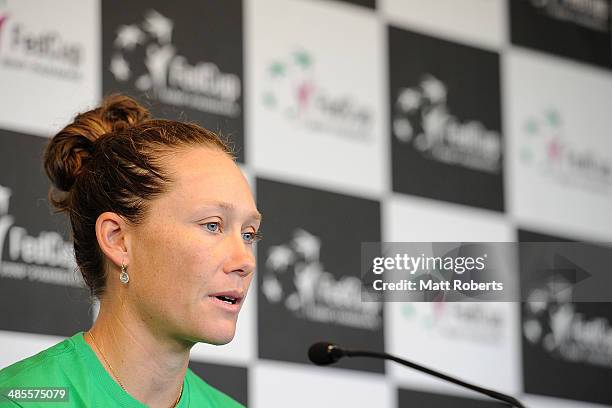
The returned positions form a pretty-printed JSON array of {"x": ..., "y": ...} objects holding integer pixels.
[
  {"x": 44, "y": 258},
  {"x": 295, "y": 279},
  {"x": 168, "y": 75},
  {"x": 592, "y": 14},
  {"x": 546, "y": 148},
  {"x": 45, "y": 52},
  {"x": 552, "y": 322},
  {"x": 294, "y": 92},
  {"x": 471, "y": 322},
  {"x": 423, "y": 119}
]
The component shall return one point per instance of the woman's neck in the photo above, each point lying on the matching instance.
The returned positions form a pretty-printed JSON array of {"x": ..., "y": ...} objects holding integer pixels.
[{"x": 150, "y": 367}]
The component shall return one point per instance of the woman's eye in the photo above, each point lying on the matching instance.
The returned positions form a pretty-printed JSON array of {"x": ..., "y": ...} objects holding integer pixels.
[
  {"x": 251, "y": 237},
  {"x": 212, "y": 226}
]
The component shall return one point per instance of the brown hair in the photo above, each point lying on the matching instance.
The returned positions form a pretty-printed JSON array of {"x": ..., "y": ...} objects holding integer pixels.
[{"x": 108, "y": 159}]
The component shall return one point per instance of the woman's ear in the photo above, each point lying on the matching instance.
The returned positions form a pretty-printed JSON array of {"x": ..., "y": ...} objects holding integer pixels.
[{"x": 111, "y": 233}]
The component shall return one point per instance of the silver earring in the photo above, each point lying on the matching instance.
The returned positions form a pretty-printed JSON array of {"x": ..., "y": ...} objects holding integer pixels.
[{"x": 123, "y": 276}]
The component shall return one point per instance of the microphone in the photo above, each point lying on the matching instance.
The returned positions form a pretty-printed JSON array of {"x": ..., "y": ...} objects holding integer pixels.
[{"x": 325, "y": 353}]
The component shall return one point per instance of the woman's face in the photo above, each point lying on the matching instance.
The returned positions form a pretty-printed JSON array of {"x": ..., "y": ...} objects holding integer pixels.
[{"x": 192, "y": 260}]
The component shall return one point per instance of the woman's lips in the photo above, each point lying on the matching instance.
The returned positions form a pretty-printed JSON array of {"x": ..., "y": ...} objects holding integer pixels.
[{"x": 229, "y": 300}]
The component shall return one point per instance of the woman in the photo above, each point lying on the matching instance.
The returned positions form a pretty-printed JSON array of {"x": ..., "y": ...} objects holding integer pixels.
[{"x": 163, "y": 224}]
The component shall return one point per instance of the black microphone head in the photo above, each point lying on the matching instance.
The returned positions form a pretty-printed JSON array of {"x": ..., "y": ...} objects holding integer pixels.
[{"x": 324, "y": 353}]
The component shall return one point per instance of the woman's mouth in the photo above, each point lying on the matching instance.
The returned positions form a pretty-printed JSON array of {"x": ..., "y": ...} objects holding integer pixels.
[{"x": 228, "y": 300}]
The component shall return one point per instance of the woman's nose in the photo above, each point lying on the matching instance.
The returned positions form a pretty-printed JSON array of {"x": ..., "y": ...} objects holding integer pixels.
[{"x": 240, "y": 257}]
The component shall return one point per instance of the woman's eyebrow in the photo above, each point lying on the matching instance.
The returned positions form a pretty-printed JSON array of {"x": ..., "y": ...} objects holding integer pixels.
[{"x": 229, "y": 207}]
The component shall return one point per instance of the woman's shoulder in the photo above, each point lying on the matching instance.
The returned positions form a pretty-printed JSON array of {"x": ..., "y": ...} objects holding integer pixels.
[
  {"x": 41, "y": 367},
  {"x": 200, "y": 390}
]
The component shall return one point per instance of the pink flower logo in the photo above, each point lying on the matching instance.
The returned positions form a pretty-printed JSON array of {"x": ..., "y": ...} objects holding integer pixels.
[{"x": 2, "y": 21}]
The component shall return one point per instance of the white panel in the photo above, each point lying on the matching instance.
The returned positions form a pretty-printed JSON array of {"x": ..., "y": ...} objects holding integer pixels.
[
  {"x": 478, "y": 22},
  {"x": 414, "y": 219},
  {"x": 315, "y": 94},
  {"x": 476, "y": 342},
  {"x": 280, "y": 385},
  {"x": 559, "y": 146},
  {"x": 49, "y": 63}
]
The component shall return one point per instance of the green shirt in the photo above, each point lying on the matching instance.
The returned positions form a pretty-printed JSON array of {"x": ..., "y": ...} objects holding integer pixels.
[{"x": 73, "y": 364}]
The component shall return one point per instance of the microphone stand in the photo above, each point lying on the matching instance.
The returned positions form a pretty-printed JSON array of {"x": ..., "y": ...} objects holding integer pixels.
[{"x": 493, "y": 394}]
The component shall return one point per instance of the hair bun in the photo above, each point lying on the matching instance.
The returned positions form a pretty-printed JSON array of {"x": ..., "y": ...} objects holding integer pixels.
[
  {"x": 69, "y": 150},
  {"x": 119, "y": 112}
]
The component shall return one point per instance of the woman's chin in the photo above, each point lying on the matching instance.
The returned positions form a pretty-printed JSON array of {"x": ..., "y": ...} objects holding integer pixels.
[
  {"x": 219, "y": 335},
  {"x": 220, "y": 340}
]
